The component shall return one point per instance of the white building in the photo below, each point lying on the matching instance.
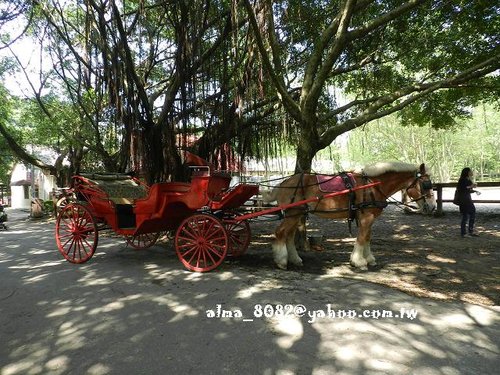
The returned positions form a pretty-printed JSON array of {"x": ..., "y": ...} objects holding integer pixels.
[{"x": 29, "y": 182}]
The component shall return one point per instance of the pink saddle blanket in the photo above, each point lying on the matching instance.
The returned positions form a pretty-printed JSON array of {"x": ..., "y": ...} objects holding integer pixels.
[{"x": 329, "y": 184}]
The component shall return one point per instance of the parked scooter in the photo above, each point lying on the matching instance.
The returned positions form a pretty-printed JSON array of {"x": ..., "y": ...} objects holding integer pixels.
[{"x": 3, "y": 218}]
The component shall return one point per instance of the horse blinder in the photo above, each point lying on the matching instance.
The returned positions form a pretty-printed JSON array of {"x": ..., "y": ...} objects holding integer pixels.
[{"x": 426, "y": 185}]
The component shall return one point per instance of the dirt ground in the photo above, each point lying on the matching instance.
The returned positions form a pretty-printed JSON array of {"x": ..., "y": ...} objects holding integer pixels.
[{"x": 420, "y": 255}]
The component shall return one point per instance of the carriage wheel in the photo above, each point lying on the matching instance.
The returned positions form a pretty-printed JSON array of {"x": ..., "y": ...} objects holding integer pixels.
[
  {"x": 201, "y": 242},
  {"x": 76, "y": 233},
  {"x": 143, "y": 241},
  {"x": 239, "y": 235}
]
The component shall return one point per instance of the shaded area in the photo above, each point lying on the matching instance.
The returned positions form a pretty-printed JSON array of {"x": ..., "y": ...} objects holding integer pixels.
[{"x": 420, "y": 255}]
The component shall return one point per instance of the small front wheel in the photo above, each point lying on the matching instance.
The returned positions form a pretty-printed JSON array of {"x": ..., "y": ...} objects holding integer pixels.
[
  {"x": 61, "y": 203},
  {"x": 143, "y": 241},
  {"x": 239, "y": 234},
  {"x": 201, "y": 242},
  {"x": 76, "y": 233}
]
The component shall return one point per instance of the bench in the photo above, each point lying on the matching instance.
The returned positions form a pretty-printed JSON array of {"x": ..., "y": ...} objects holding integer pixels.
[{"x": 112, "y": 194}]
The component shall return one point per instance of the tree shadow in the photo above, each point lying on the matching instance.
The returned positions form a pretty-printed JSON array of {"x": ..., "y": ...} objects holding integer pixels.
[
  {"x": 128, "y": 311},
  {"x": 417, "y": 254}
]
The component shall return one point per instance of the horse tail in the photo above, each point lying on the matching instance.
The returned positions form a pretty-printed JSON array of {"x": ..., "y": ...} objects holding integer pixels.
[{"x": 269, "y": 196}]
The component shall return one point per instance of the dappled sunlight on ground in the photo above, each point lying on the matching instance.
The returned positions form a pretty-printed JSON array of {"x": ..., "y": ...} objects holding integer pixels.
[
  {"x": 129, "y": 311},
  {"x": 420, "y": 255}
]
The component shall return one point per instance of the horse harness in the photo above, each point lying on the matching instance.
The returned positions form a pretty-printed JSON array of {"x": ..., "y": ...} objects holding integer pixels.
[
  {"x": 368, "y": 201},
  {"x": 349, "y": 183}
]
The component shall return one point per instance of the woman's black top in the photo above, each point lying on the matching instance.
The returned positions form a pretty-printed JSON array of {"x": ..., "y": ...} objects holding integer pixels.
[{"x": 464, "y": 192}]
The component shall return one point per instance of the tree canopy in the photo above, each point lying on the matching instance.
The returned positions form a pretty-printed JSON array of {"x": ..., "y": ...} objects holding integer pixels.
[{"x": 129, "y": 83}]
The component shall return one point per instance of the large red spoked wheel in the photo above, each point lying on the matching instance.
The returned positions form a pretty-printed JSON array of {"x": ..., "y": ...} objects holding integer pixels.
[
  {"x": 76, "y": 233},
  {"x": 143, "y": 241},
  {"x": 201, "y": 242},
  {"x": 239, "y": 235}
]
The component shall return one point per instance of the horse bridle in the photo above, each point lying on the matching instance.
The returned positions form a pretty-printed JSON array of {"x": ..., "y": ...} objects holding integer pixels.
[{"x": 425, "y": 186}]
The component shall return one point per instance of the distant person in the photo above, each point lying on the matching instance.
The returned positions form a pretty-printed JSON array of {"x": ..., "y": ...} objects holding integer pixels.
[
  {"x": 464, "y": 189},
  {"x": 3, "y": 217}
]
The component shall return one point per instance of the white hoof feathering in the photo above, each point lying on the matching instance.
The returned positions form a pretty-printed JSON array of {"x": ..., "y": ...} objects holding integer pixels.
[
  {"x": 293, "y": 256},
  {"x": 280, "y": 255},
  {"x": 370, "y": 259},
  {"x": 357, "y": 256}
]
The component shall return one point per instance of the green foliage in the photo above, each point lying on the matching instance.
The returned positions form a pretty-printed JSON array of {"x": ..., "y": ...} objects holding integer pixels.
[
  {"x": 48, "y": 207},
  {"x": 138, "y": 79},
  {"x": 473, "y": 142},
  {"x": 435, "y": 110},
  {"x": 433, "y": 42},
  {"x": 6, "y": 157}
]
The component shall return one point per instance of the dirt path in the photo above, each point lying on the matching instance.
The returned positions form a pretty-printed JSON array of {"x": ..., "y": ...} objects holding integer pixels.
[{"x": 419, "y": 255}]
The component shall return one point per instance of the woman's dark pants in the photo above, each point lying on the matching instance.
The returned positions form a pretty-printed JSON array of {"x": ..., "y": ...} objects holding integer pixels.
[{"x": 468, "y": 215}]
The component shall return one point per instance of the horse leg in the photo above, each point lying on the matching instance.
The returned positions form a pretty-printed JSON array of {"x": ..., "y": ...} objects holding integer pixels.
[
  {"x": 301, "y": 235},
  {"x": 284, "y": 244},
  {"x": 361, "y": 255},
  {"x": 370, "y": 259},
  {"x": 293, "y": 256},
  {"x": 367, "y": 251},
  {"x": 280, "y": 252}
]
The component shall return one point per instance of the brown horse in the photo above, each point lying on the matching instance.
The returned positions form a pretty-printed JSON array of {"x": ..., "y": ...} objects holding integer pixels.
[{"x": 364, "y": 205}]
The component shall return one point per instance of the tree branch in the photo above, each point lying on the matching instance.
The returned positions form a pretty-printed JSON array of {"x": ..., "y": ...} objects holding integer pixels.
[
  {"x": 413, "y": 93},
  {"x": 22, "y": 154},
  {"x": 277, "y": 81}
]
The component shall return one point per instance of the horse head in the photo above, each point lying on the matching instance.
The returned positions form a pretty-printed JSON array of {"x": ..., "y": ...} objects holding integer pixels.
[{"x": 420, "y": 191}]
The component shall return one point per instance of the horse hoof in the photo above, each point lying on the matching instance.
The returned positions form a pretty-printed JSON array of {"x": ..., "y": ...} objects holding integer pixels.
[
  {"x": 281, "y": 266},
  {"x": 297, "y": 263},
  {"x": 375, "y": 267},
  {"x": 359, "y": 268}
]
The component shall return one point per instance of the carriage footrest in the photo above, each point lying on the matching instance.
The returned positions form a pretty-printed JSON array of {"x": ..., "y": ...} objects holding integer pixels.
[{"x": 125, "y": 215}]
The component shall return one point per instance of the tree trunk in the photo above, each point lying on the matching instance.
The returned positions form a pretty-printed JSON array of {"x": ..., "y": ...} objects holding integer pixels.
[
  {"x": 160, "y": 159},
  {"x": 304, "y": 157},
  {"x": 306, "y": 150}
]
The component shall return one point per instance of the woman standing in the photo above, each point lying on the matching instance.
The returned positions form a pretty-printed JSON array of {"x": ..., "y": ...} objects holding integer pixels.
[{"x": 467, "y": 209}]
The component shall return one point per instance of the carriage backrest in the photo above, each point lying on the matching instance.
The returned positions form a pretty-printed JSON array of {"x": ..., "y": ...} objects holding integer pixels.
[
  {"x": 118, "y": 188},
  {"x": 218, "y": 181}
]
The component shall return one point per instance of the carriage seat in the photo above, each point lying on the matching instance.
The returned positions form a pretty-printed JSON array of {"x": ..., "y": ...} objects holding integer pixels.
[
  {"x": 120, "y": 190},
  {"x": 218, "y": 184},
  {"x": 158, "y": 194}
]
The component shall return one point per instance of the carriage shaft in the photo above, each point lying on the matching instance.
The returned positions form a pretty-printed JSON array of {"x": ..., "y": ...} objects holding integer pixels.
[{"x": 301, "y": 203}]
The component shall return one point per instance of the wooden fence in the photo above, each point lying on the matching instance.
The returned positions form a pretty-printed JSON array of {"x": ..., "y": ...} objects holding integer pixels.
[{"x": 439, "y": 189}]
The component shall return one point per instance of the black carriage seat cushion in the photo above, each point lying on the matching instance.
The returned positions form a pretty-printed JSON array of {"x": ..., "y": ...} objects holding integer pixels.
[{"x": 125, "y": 215}]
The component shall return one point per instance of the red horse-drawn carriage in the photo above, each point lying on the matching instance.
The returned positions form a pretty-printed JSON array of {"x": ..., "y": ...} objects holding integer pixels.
[{"x": 201, "y": 213}]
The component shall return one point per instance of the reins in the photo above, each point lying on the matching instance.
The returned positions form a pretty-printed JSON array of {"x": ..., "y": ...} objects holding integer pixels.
[{"x": 393, "y": 201}]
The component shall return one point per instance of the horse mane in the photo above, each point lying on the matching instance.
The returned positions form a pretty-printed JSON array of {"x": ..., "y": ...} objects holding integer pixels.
[{"x": 380, "y": 168}]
